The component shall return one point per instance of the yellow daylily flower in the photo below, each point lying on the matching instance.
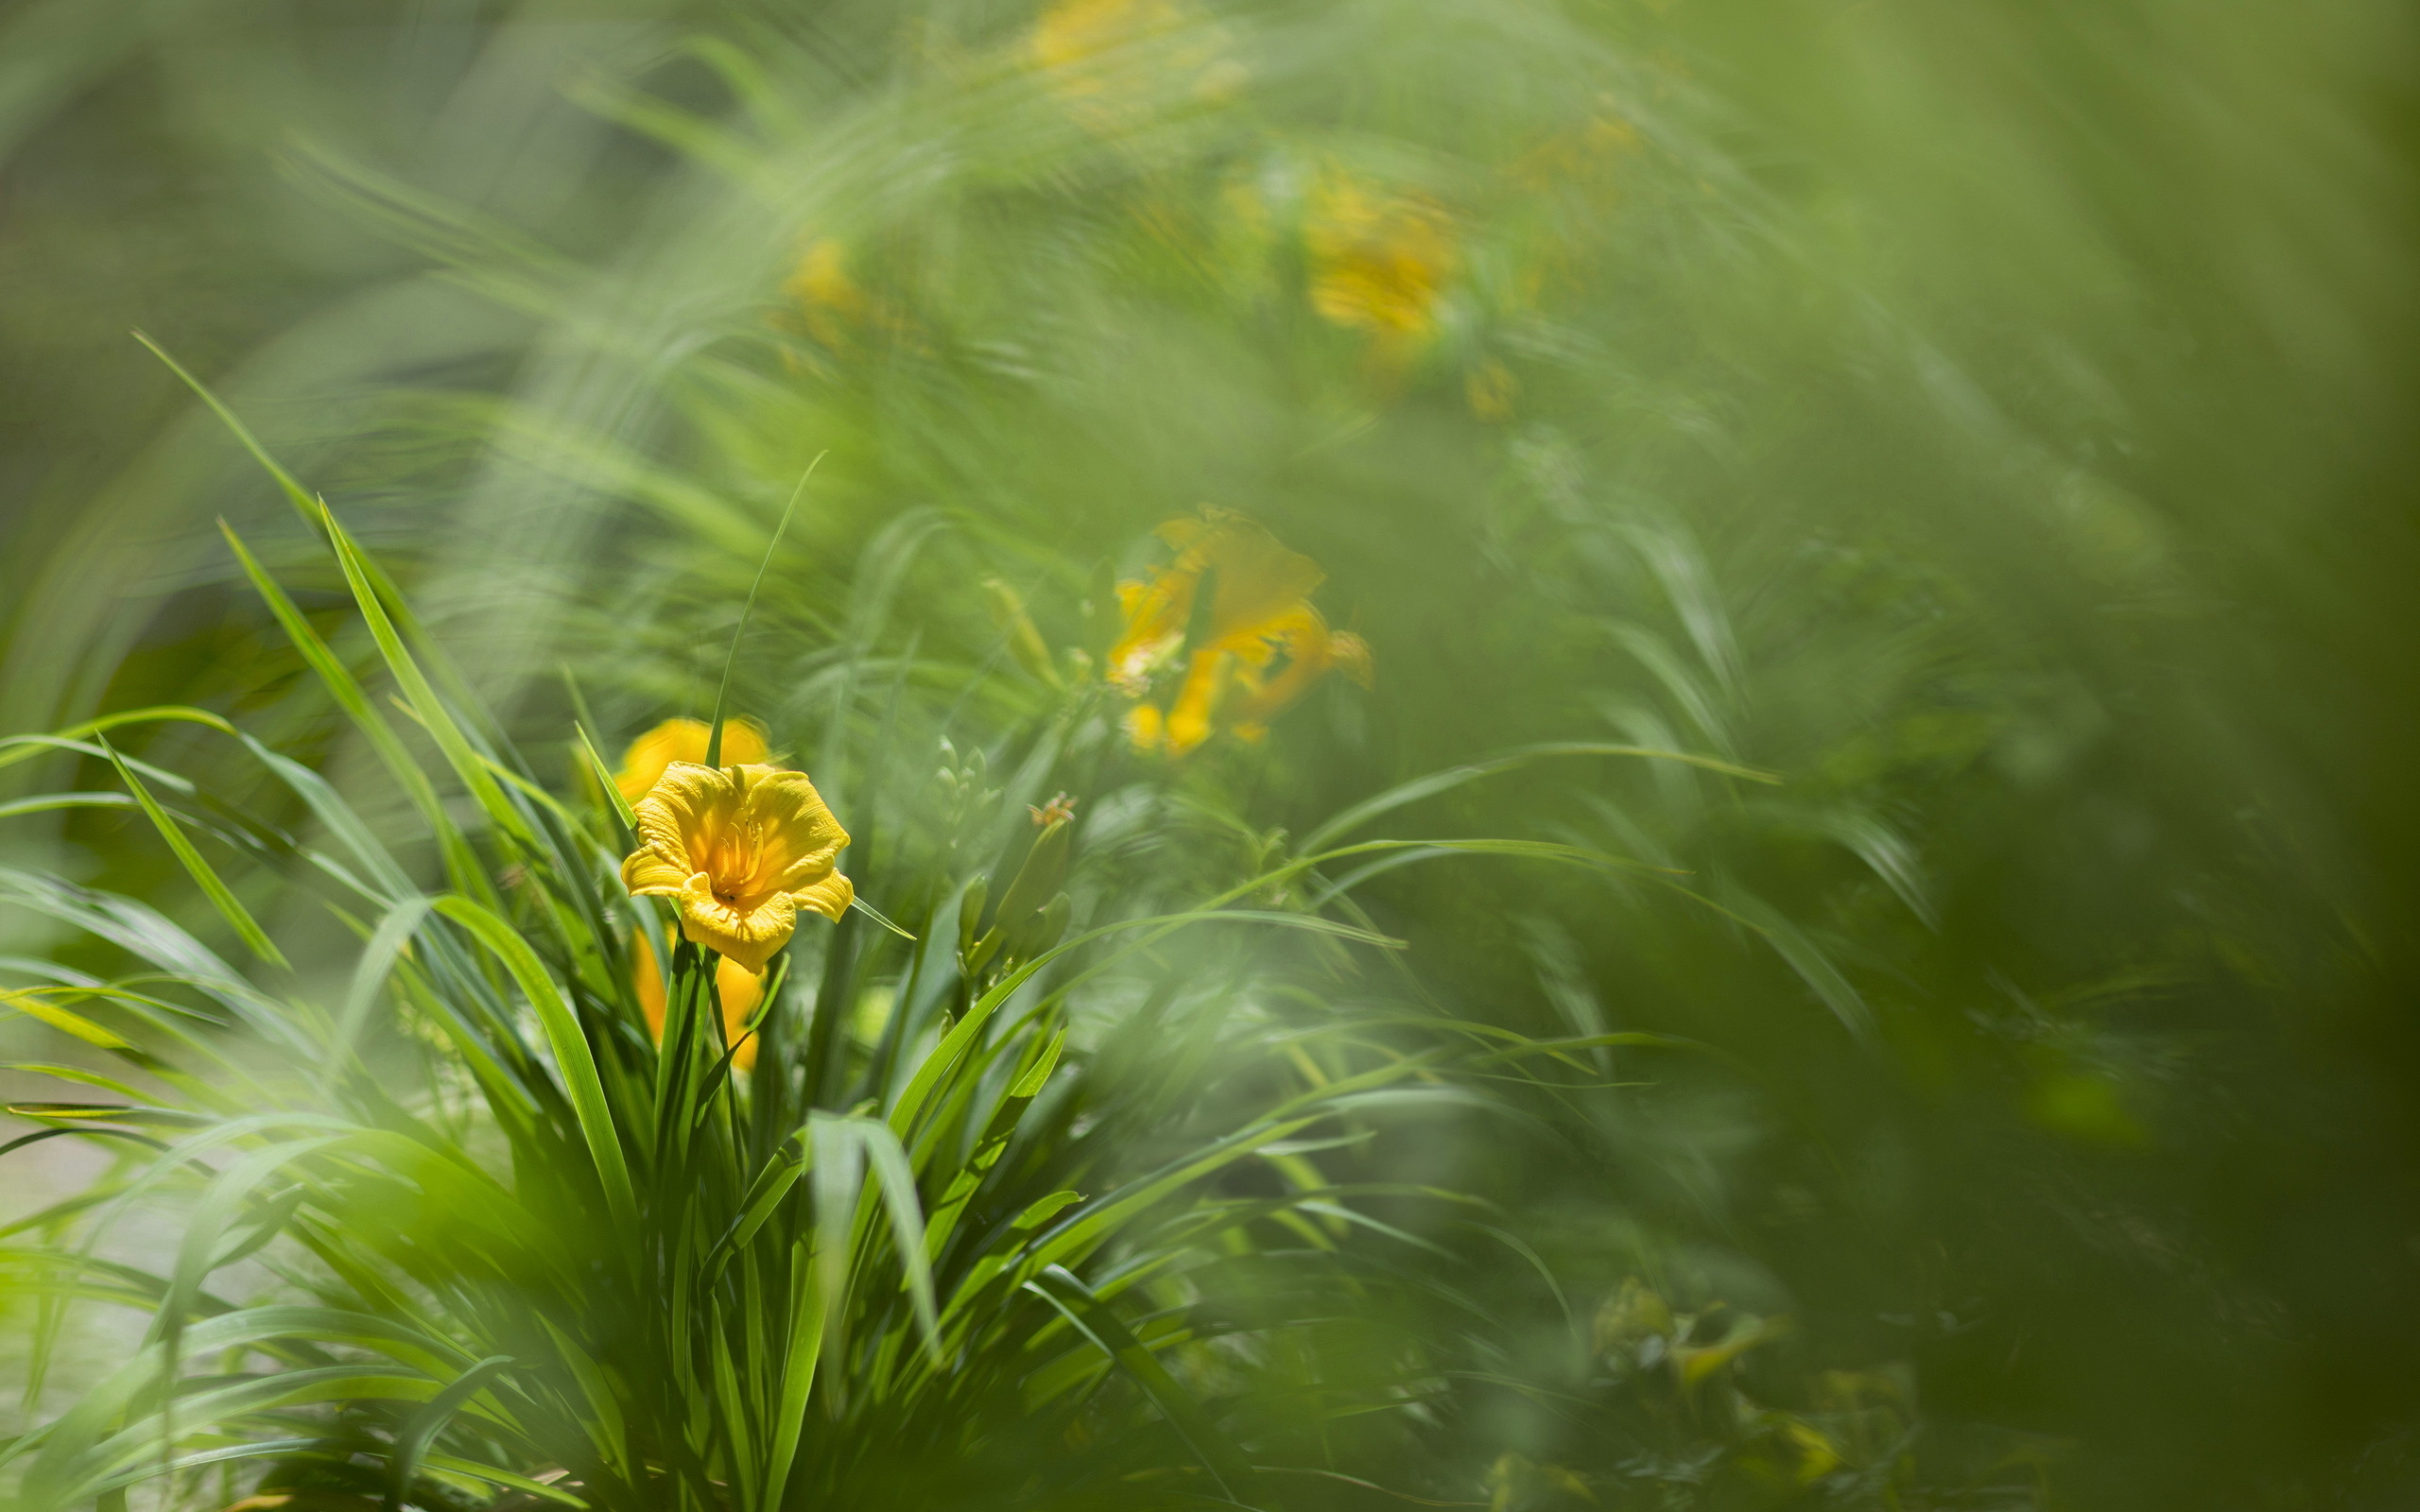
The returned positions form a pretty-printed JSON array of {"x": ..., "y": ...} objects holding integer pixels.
[
  {"x": 684, "y": 740},
  {"x": 1259, "y": 611},
  {"x": 739, "y": 988},
  {"x": 743, "y": 849}
]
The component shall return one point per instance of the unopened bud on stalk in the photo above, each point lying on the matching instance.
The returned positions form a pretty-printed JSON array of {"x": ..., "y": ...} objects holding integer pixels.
[
  {"x": 1023, "y": 918},
  {"x": 1025, "y": 640},
  {"x": 1044, "y": 869},
  {"x": 970, "y": 912},
  {"x": 1048, "y": 929}
]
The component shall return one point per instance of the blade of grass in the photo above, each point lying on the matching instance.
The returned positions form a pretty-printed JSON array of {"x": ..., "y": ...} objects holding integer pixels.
[
  {"x": 221, "y": 897},
  {"x": 731, "y": 658},
  {"x": 576, "y": 1062}
]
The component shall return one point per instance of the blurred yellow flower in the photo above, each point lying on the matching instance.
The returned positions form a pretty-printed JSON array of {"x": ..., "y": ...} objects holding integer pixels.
[
  {"x": 830, "y": 301},
  {"x": 1582, "y": 157},
  {"x": 1111, "y": 61},
  {"x": 743, "y": 849},
  {"x": 1259, "y": 611},
  {"x": 1379, "y": 261},
  {"x": 739, "y": 988},
  {"x": 1490, "y": 390},
  {"x": 684, "y": 740}
]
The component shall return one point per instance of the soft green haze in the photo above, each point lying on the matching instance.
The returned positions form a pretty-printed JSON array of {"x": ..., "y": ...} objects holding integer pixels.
[{"x": 1855, "y": 950}]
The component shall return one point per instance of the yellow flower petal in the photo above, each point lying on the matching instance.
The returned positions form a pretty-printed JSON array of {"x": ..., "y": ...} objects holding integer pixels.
[
  {"x": 646, "y": 981},
  {"x": 1259, "y": 583},
  {"x": 1260, "y": 611},
  {"x": 739, "y": 990},
  {"x": 749, "y": 935},
  {"x": 1144, "y": 727},
  {"x": 684, "y": 740},
  {"x": 1197, "y": 702},
  {"x": 649, "y": 875},
  {"x": 831, "y": 896}
]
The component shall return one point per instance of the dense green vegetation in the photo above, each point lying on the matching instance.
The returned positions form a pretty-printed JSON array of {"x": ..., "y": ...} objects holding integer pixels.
[{"x": 1626, "y": 755}]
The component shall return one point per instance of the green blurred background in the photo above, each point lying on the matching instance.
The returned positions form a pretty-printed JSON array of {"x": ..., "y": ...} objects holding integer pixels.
[{"x": 1995, "y": 420}]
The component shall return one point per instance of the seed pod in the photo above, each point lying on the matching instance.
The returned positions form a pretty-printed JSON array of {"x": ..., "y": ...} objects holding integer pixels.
[
  {"x": 1025, "y": 641},
  {"x": 983, "y": 950},
  {"x": 970, "y": 912}
]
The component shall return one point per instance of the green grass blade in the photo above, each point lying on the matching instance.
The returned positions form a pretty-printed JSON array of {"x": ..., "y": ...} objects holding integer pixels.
[
  {"x": 1097, "y": 1323},
  {"x": 463, "y": 867},
  {"x": 132, "y": 717},
  {"x": 573, "y": 1058},
  {"x": 469, "y": 768},
  {"x": 220, "y": 896},
  {"x": 798, "y": 1361},
  {"x": 425, "y": 1424},
  {"x": 1352, "y": 818},
  {"x": 731, "y": 658}
]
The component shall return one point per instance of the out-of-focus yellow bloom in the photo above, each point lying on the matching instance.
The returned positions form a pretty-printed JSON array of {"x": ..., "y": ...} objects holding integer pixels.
[
  {"x": 1582, "y": 157},
  {"x": 1257, "y": 646},
  {"x": 684, "y": 740},
  {"x": 839, "y": 312},
  {"x": 743, "y": 849},
  {"x": 827, "y": 298},
  {"x": 1379, "y": 261},
  {"x": 833, "y": 305},
  {"x": 1574, "y": 178},
  {"x": 1113, "y": 62},
  {"x": 739, "y": 988},
  {"x": 1490, "y": 390}
]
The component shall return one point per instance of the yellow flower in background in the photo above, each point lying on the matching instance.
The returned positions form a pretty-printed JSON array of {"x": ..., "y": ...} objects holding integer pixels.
[
  {"x": 831, "y": 304},
  {"x": 739, "y": 988},
  {"x": 1490, "y": 388},
  {"x": 684, "y": 740},
  {"x": 1113, "y": 62},
  {"x": 1583, "y": 157},
  {"x": 743, "y": 849},
  {"x": 1379, "y": 261},
  {"x": 1254, "y": 580},
  {"x": 1254, "y": 649}
]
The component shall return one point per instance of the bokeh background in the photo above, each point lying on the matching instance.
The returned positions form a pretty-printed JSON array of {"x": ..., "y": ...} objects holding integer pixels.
[{"x": 1993, "y": 420}]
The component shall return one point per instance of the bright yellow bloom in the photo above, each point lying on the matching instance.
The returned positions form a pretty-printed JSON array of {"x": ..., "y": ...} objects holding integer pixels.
[
  {"x": 684, "y": 740},
  {"x": 743, "y": 849},
  {"x": 1259, "y": 611},
  {"x": 739, "y": 988}
]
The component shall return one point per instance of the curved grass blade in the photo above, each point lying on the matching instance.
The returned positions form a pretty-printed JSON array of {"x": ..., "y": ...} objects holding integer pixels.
[
  {"x": 413, "y": 1443},
  {"x": 131, "y": 716},
  {"x": 1420, "y": 787},
  {"x": 731, "y": 658},
  {"x": 1099, "y": 1323},
  {"x": 220, "y": 896},
  {"x": 574, "y": 1059}
]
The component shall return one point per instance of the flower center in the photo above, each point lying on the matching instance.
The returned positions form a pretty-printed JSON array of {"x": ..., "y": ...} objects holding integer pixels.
[{"x": 733, "y": 860}]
